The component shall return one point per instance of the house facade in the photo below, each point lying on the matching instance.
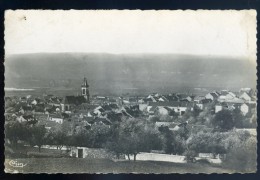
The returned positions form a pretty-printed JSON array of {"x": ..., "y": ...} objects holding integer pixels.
[
  {"x": 245, "y": 96},
  {"x": 213, "y": 96},
  {"x": 244, "y": 109},
  {"x": 178, "y": 107},
  {"x": 69, "y": 102},
  {"x": 56, "y": 118}
]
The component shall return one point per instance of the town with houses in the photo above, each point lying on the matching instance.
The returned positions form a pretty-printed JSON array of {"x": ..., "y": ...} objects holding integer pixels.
[
  {"x": 171, "y": 111},
  {"x": 82, "y": 110}
]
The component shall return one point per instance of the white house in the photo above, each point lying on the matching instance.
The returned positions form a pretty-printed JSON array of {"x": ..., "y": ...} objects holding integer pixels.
[
  {"x": 21, "y": 119},
  {"x": 200, "y": 105},
  {"x": 126, "y": 101},
  {"x": 151, "y": 109},
  {"x": 56, "y": 118},
  {"x": 187, "y": 98},
  {"x": 89, "y": 114},
  {"x": 162, "y": 110},
  {"x": 244, "y": 109},
  {"x": 98, "y": 110},
  {"x": 178, "y": 107},
  {"x": 152, "y": 98},
  {"x": 211, "y": 96},
  {"x": 245, "y": 97},
  {"x": 231, "y": 94},
  {"x": 230, "y": 99},
  {"x": 34, "y": 102},
  {"x": 161, "y": 99},
  {"x": 142, "y": 107},
  {"x": 218, "y": 108},
  {"x": 141, "y": 101},
  {"x": 249, "y": 91},
  {"x": 197, "y": 99}
]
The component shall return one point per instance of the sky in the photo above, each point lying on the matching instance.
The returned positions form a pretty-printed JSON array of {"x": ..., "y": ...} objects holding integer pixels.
[{"x": 221, "y": 33}]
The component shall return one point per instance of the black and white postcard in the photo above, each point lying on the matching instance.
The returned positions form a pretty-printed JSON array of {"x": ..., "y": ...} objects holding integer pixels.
[{"x": 130, "y": 91}]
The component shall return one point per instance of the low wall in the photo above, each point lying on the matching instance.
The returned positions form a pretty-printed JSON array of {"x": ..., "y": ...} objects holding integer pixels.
[
  {"x": 158, "y": 157},
  {"x": 92, "y": 153}
]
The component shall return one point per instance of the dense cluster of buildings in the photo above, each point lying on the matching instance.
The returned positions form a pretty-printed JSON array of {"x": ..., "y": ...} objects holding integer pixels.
[{"x": 82, "y": 111}]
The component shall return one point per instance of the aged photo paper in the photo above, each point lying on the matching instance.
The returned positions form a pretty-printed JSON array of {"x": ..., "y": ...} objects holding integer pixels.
[{"x": 130, "y": 91}]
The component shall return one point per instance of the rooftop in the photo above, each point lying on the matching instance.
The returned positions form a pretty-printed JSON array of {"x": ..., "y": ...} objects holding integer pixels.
[{"x": 76, "y": 100}]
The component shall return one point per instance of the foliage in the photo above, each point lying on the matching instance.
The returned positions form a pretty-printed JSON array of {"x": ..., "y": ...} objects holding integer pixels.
[
  {"x": 223, "y": 120},
  {"x": 16, "y": 131},
  {"x": 80, "y": 139},
  {"x": 190, "y": 155},
  {"x": 234, "y": 138},
  {"x": 206, "y": 115},
  {"x": 196, "y": 111},
  {"x": 9, "y": 103},
  {"x": 38, "y": 136},
  {"x": 240, "y": 120},
  {"x": 166, "y": 118},
  {"x": 239, "y": 146},
  {"x": 58, "y": 138},
  {"x": 206, "y": 142},
  {"x": 173, "y": 142},
  {"x": 163, "y": 118},
  {"x": 134, "y": 136},
  {"x": 242, "y": 155},
  {"x": 98, "y": 135},
  {"x": 95, "y": 137}
]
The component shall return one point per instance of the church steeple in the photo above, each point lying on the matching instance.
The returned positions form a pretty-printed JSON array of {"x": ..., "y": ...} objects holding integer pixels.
[
  {"x": 85, "y": 83},
  {"x": 84, "y": 89}
]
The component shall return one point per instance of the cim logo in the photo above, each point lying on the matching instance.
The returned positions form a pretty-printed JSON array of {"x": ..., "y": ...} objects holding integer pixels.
[{"x": 15, "y": 163}]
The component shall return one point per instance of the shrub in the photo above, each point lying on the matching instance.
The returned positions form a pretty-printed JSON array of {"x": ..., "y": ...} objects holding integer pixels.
[
  {"x": 190, "y": 155},
  {"x": 242, "y": 156}
]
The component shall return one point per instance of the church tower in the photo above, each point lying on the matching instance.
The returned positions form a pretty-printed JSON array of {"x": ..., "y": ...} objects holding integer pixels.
[{"x": 84, "y": 89}]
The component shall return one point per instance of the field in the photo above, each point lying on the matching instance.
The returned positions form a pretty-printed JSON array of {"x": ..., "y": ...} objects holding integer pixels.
[
  {"x": 111, "y": 74},
  {"x": 75, "y": 165}
]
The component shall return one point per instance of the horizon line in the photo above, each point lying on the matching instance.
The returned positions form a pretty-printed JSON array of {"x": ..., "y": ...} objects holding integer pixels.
[{"x": 145, "y": 53}]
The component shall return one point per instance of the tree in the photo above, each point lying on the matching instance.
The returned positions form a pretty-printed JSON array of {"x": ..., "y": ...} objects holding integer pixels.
[
  {"x": 196, "y": 111},
  {"x": 58, "y": 138},
  {"x": 234, "y": 138},
  {"x": 16, "y": 131},
  {"x": 129, "y": 138},
  {"x": 206, "y": 115},
  {"x": 206, "y": 143},
  {"x": 113, "y": 144},
  {"x": 81, "y": 138},
  {"x": 98, "y": 135},
  {"x": 223, "y": 120},
  {"x": 241, "y": 151},
  {"x": 172, "y": 141},
  {"x": 168, "y": 141},
  {"x": 38, "y": 136},
  {"x": 134, "y": 136},
  {"x": 238, "y": 118}
]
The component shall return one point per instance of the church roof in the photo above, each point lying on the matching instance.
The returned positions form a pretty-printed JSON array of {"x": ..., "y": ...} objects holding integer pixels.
[
  {"x": 85, "y": 83},
  {"x": 76, "y": 100}
]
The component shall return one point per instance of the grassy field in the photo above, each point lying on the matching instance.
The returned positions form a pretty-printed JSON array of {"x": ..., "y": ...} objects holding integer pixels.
[{"x": 74, "y": 165}]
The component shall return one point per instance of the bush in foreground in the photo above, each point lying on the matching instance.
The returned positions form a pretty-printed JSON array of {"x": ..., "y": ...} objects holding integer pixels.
[{"x": 242, "y": 156}]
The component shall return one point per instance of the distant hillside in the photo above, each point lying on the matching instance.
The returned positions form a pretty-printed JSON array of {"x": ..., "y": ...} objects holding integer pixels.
[{"x": 122, "y": 73}]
